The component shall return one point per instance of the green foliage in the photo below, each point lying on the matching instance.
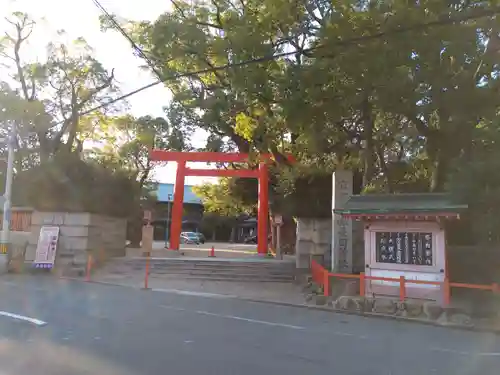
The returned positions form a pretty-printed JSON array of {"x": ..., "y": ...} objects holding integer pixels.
[
  {"x": 126, "y": 142},
  {"x": 399, "y": 108},
  {"x": 70, "y": 81},
  {"x": 48, "y": 103},
  {"x": 70, "y": 184},
  {"x": 220, "y": 198},
  {"x": 406, "y": 111},
  {"x": 474, "y": 181}
]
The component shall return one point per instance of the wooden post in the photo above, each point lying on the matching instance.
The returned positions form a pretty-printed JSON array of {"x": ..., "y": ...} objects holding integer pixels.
[
  {"x": 326, "y": 283},
  {"x": 446, "y": 291},
  {"x": 362, "y": 284},
  {"x": 89, "y": 267},
  {"x": 402, "y": 288},
  {"x": 279, "y": 254},
  {"x": 494, "y": 288},
  {"x": 146, "y": 275},
  {"x": 147, "y": 239}
]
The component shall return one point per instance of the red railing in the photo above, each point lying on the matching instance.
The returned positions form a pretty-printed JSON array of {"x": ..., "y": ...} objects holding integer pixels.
[{"x": 322, "y": 277}]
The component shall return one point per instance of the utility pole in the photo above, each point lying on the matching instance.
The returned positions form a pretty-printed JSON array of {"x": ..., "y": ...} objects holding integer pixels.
[{"x": 5, "y": 235}]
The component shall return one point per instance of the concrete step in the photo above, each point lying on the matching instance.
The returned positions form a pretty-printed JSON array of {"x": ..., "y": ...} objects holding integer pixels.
[
  {"x": 209, "y": 261},
  {"x": 277, "y": 272},
  {"x": 161, "y": 268},
  {"x": 220, "y": 272},
  {"x": 208, "y": 265},
  {"x": 227, "y": 278},
  {"x": 209, "y": 269}
]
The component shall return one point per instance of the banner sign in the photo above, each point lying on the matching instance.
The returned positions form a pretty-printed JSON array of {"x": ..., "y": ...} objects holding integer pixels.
[{"x": 46, "y": 247}]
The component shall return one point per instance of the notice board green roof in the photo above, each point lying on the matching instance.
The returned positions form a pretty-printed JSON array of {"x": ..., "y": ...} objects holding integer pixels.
[{"x": 401, "y": 204}]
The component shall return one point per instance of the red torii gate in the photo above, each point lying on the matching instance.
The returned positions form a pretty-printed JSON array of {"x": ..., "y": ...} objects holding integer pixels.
[{"x": 216, "y": 157}]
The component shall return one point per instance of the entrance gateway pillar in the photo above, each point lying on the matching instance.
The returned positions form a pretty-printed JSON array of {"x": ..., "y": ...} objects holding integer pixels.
[
  {"x": 176, "y": 224},
  {"x": 181, "y": 158},
  {"x": 342, "y": 228}
]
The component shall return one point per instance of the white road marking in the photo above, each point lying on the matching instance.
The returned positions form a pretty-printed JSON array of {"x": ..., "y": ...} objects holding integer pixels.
[
  {"x": 347, "y": 334},
  {"x": 459, "y": 352},
  {"x": 190, "y": 293},
  {"x": 201, "y": 312},
  {"x": 24, "y": 318}
]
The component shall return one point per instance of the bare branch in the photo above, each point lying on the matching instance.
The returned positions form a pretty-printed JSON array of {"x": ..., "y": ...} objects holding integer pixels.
[{"x": 178, "y": 8}]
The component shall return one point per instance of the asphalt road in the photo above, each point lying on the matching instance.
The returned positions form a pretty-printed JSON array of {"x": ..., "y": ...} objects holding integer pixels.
[{"x": 100, "y": 329}]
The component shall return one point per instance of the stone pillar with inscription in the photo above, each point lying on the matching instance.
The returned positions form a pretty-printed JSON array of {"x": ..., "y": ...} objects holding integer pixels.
[{"x": 342, "y": 234}]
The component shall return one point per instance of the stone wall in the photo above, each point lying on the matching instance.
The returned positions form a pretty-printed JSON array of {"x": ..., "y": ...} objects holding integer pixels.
[
  {"x": 313, "y": 241},
  {"x": 80, "y": 233}
]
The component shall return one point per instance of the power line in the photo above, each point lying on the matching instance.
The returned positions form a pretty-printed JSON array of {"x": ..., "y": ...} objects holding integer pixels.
[
  {"x": 118, "y": 27},
  {"x": 442, "y": 21}
]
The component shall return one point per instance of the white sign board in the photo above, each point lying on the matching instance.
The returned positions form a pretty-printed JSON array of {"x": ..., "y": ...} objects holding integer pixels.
[
  {"x": 278, "y": 219},
  {"x": 418, "y": 276},
  {"x": 46, "y": 247}
]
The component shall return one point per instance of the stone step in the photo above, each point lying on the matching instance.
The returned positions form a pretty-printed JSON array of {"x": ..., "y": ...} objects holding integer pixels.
[
  {"x": 239, "y": 278},
  {"x": 219, "y": 271},
  {"x": 154, "y": 263},
  {"x": 276, "y": 271},
  {"x": 209, "y": 269}
]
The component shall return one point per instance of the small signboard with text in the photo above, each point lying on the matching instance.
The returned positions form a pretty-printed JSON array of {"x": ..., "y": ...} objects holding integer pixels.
[
  {"x": 278, "y": 219},
  {"x": 46, "y": 247}
]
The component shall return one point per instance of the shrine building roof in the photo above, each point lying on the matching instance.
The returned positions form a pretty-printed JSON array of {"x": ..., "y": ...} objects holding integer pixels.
[{"x": 425, "y": 206}]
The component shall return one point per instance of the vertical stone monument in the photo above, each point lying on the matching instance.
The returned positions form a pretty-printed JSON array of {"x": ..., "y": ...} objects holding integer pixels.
[{"x": 342, "y": 228}]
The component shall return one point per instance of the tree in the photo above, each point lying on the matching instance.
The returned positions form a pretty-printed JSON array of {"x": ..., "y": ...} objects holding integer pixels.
[
  {"x": 78, "y": 82},
  {"x": 126, "y": 142},
  {"x": 397, "y": 91},
  {"x": 70, "y": 82},
  {"x": 23, "y": 115},
  {"x": 220, "y": 199},
  {"x": 264, "y": 103},
  {"x": 70, "y": 184}
]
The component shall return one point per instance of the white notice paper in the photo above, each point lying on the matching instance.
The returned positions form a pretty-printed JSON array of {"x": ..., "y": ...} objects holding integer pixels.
[{"x": 46, "y": 247}]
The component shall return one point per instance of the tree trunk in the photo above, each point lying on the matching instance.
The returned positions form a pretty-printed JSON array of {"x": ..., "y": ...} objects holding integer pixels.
[
  {"x": 439, "y": 172},
  {"x": 134, "y": 232},
  {"x": 368, "y": 152}
]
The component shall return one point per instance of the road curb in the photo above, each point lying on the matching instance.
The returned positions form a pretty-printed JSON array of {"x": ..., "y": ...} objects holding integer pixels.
[
  {"x": 100, "y": 282},
  {"x": 495, "y": 331},
  {"x": 306, "y": 306}
]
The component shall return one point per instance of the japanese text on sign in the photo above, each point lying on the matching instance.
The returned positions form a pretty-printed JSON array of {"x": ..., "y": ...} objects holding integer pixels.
[
  {"x": 46, "y": 247},
  {"x": 404, "y": 248}
]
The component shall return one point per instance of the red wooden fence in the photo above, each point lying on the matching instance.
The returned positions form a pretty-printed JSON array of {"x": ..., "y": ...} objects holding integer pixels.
[{"x": 322, "y": 277}]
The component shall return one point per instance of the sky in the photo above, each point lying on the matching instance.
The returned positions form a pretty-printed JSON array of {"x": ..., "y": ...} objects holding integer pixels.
[{"x": 81, "y": 19}]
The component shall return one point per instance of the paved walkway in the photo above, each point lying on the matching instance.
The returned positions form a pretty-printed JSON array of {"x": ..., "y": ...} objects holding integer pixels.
[{"x": 267, "y": 291}]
